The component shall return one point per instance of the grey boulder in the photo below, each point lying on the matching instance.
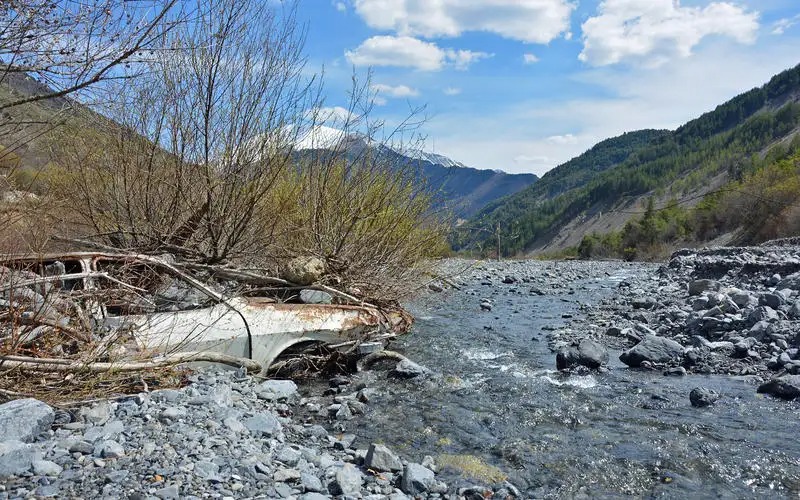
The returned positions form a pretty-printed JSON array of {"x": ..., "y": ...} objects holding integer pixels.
[
  {"x": 304, "y": 270},
  {"x": 416, "y": 479},
  {"x": 347, "y": 481},
  {"x": 381, "y": 458},
  {"x": 274, "y": 390},
  {"x": 697, "y": 287},
  {"x": 784, "y": 387},
  {"x": 652, "y": 349},
  {"x": 24, "y": 419},
  {"x": 265, "y": 424},
  {"x": 16, "y": 458},
  {"x": 587, "y": 353},
  {"x": 700, "y": 397}
]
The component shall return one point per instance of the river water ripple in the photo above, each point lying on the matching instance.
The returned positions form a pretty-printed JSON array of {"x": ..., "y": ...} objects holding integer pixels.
[{"x": 605, "y": 435}]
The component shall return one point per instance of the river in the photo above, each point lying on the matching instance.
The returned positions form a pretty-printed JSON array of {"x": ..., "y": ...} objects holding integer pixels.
[{"x": 497, "y": 400}]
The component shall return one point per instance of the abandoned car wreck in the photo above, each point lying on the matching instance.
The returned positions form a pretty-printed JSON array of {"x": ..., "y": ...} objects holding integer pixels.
[{"x": 131, "y": 310}]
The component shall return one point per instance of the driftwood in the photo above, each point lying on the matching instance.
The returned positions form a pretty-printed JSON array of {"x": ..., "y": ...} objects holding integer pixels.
[
  {"x": 370, "y": 359},
  {"x": 62, "y": 365}
]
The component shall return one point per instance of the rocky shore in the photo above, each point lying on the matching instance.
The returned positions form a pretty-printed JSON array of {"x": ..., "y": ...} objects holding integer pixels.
[
  {"x": 225, "y": 435},
  {"x": 733, "y": 311}
]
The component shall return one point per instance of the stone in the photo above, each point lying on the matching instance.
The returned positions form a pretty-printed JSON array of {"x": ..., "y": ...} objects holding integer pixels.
[
  {"x": 304, "y": 270},
  {"x": 408, "y": 369},
  {"x": 791, "y": 282},
  {"x": 24, "y": 419},
  {"x": 773, "y": 300},
  {"x": 109, "y": 449},
  {"x": 286, "y": 475},
  {"x": 265, "y": 424},
  {"x": 701, "y": 397},
  {"x": 16, "y": 458},
  {"x": 697, "y": 287},
  {"x": 784, "y": 387},
  {"x": 315, "y": 297},
  {"x": 277, "y": 390},
  {"x": 289, "y": 456},
  {"x": 46, "y": 468},
  {"x": 794, "y": 312},
  {"x": 206, "y": 470},
  {"x": 310, "y": 482},
  {"x": 173, "y": 413},
  {"x": 381, "y": 458},
  {"x": 587, "y": 353},
  {"x": 168, "y": 493},
  {"x": 83, "y": 447},
  {"x": 314, "y": 496},
  {"x": 742, "y": 299},
  {"x": 98, "y": 414},
  {"x": 234, "y": 425},
  {"x": 347, "y": 481},
  {"x": 653, "y": 350},
  {"x": 416, "y": 479}
]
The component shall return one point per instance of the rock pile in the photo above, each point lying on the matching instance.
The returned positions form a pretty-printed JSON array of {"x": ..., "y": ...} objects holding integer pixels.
[{"x": 225, "y": 435}]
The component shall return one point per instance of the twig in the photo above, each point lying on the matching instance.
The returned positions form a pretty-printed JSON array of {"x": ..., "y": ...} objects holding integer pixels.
[{"x": 171, "y": 360}]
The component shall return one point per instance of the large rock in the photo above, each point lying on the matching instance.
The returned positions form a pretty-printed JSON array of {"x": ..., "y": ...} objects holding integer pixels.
[
  {"x": 347, "y": 481},
  {"x": 587, "y": 353},
  {"x": 652, "y": 349},
  {"x": 701, "y": 397},
  {"x": 304, "y": 270},
  {"x": 408, "y": 369},
  {"x": 416, "y": 479},
  {"x": 381, "y": 458},
  {"x": 792, "y": 282},
  {"x": 24, "y": 419},
  {"x": 785, "y": 387},
  {"x": 697, "y": 287},
  {"x": 274, "y": 390},
  {"x": 263, "y": 424},
  {"x": 16, "y": 458}
]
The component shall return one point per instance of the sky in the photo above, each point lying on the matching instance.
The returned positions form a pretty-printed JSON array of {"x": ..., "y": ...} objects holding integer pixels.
[{"x": 525, "y": 85}]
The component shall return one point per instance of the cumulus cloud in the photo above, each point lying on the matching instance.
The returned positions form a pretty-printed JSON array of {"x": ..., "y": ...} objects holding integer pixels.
[
  {"x": 340, "y": 6},
  {"x": 654, "y": 31},
  {"x": 530, "y": 58},
  {"x": 396, "y": 91},
  {"x": 409, "y": 52},
  {"x": 563, "y": 139},
  {"x": 534, "y": 21}
]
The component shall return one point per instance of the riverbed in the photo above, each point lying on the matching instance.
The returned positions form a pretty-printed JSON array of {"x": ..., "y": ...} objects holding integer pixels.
[{"x": 497, "y": 398}]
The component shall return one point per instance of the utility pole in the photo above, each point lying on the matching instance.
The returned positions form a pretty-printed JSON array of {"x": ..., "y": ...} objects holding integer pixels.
[{"x": 497, "y": 233}]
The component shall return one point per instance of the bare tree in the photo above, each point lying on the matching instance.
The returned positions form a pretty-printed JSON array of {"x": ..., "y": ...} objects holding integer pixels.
[
  {"x": 205, "y": 136},
  {"x": 71, "y": 45}
]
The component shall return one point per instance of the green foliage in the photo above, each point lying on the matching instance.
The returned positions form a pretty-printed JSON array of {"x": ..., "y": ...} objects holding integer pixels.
[{"x": 726, "y": 140}]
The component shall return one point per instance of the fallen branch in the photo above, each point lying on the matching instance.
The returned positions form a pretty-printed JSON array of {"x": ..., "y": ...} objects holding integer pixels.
[
  {"x": 60, "y": 365},
  {"x": 371, "y": 359}
]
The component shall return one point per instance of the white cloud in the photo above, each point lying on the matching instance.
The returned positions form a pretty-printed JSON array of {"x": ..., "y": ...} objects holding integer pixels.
[
  {"x": 519, "y": 137},
  {"x": 534, "y": 21},
  {"x": 530, "y": 58},
  {"x": 404, "y": 51},
  {"x": 452, "y": 91},
  {"x": 397, "y": 91},
  {"x": 340, "y": 6},
  {"x": 653, "y": 32},
  {"x": 461, "y": 59},
  {"x": 563, "y": 139},
  {"x": 780, "y": 26}
]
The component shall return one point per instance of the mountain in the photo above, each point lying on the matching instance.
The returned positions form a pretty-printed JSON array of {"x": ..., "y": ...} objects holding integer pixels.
[
  {"x": 457, "y": 188},
  {"x": 618, "y": 180}
]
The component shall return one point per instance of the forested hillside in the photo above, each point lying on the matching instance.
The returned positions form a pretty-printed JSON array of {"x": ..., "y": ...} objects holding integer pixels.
[{"x": 729, "y": 141}]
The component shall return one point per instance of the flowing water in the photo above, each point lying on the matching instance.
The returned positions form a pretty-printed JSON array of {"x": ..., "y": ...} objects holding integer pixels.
[{"x": 615, "y": 434}]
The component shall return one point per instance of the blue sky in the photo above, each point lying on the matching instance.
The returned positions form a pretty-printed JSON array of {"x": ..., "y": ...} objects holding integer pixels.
[{"x": 524, "y": 85}]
